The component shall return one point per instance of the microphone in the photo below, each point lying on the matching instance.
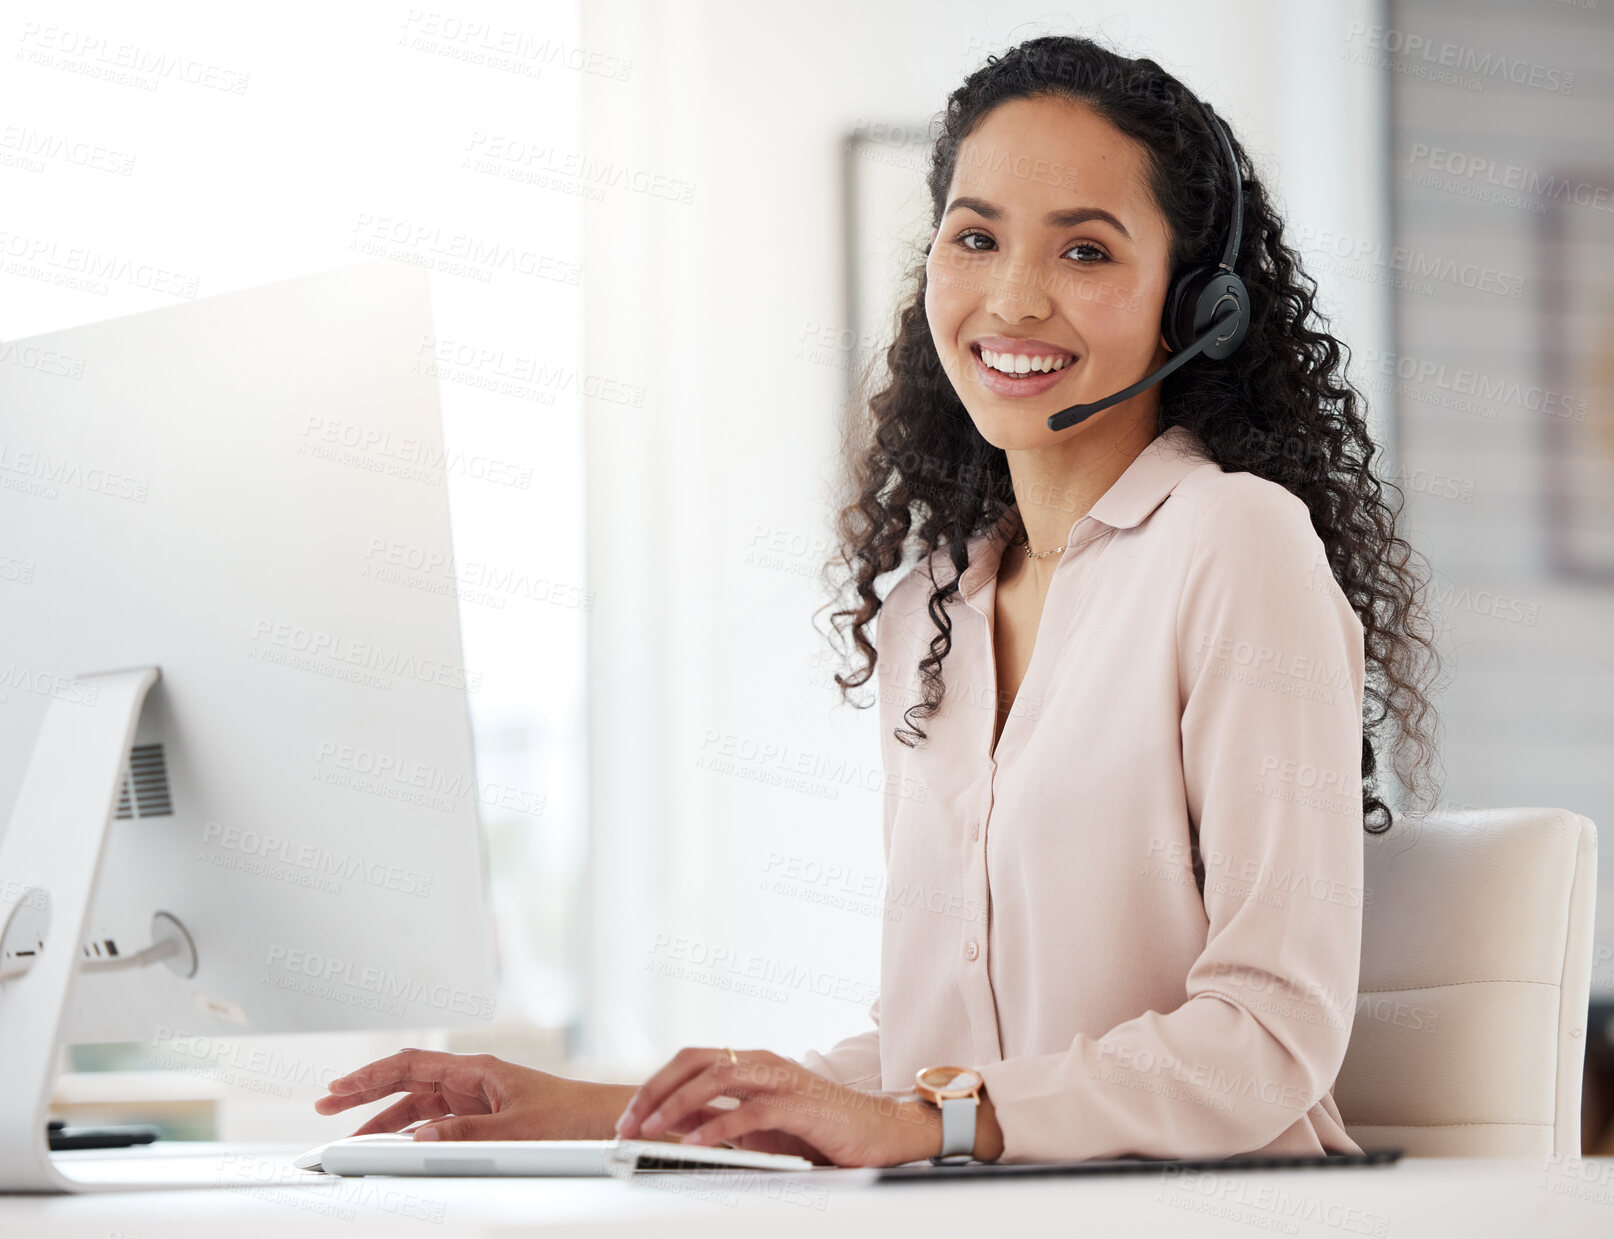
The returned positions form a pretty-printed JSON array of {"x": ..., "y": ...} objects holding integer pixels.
[{"x": 1081, "y": 412}]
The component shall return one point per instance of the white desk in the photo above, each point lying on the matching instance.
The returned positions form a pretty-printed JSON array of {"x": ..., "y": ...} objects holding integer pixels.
[{"x": 1416, "y": 1198}]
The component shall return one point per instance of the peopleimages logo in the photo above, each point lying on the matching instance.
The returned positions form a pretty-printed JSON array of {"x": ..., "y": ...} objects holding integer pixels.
[
  {"x": 52, "y": 471},
  {"x": 47, "y": 684},
  {"x": 391, "y": 775},
  {"x": 312, "y": 649},
  {"x": 314, "y": 859},
  {"x": 226, "y": 1059},
  {"x": 407, "y": 451},
  {"x": 345, "y": 981}
]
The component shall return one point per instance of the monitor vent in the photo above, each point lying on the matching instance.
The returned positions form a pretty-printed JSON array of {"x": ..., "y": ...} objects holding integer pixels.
[{"x": 145, "y": 784}]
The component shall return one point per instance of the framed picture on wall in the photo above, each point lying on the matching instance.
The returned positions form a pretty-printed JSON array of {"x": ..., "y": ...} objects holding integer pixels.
[
  {"x": 1576, "y": 403},
  {"x": 887, "y": 230}
]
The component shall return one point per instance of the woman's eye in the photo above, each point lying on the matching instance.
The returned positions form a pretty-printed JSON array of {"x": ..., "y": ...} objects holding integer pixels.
[{"x": 964, "y": 239}]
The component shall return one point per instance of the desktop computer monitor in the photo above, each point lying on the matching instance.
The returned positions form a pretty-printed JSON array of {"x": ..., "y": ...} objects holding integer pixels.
[{"x": 234, "y": 707}]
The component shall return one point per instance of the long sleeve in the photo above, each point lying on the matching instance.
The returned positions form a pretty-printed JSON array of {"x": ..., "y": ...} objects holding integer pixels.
[
  {"x": 853, "y": 1061},
  {"x": 1270, "y": 679}
]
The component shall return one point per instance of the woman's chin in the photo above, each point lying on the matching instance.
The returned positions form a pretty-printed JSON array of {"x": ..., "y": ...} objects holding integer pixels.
[{"x": 1009, "y": 431}]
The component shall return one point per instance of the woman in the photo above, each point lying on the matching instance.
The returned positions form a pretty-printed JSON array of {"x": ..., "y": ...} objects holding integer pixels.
[{"x": 1131, "y": 898}]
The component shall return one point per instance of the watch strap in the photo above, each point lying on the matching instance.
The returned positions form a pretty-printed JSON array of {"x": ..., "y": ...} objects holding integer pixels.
[{"x": 958, "y": 1130}]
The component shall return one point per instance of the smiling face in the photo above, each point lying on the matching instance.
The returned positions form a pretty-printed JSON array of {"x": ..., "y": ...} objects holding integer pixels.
[{"x": 1051, "y": 261}]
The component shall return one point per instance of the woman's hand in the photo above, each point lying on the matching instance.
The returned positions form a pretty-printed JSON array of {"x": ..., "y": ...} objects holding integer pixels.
[
  {"x": 474, "y": 1097},
  {"x": 784, "y": 1108}
]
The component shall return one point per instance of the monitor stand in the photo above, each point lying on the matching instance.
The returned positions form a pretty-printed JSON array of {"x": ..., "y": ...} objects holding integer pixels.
[{"x": 50, "y": 860}]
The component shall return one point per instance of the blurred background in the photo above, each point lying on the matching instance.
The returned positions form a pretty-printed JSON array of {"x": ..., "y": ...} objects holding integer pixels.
[{"x": 741, "y": 186}]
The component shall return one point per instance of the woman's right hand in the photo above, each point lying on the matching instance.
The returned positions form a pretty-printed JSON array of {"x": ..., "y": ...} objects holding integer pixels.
[{"x": 475, "y": 1097}]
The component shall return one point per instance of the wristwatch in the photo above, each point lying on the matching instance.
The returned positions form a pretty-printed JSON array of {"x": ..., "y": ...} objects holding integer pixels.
[{"x": 956, "y": 1092}]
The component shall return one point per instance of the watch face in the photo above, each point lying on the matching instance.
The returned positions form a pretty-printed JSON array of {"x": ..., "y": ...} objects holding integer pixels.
[{"x": 948, "y": 1081}]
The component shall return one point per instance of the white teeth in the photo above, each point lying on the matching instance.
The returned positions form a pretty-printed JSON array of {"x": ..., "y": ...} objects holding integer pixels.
[{"x": 1022, "y": 363}]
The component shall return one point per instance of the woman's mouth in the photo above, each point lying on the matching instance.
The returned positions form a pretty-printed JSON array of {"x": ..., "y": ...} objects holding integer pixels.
[{"x": 1030, "y": 382}]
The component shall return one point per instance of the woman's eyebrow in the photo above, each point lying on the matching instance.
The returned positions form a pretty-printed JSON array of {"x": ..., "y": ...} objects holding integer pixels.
[{"x": 1054, "y": 219}]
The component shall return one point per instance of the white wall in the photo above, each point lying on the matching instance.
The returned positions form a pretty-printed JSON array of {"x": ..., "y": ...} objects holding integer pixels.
[
  {"x": 691, "y": 636},
  {"x": 349, "y": 113}
]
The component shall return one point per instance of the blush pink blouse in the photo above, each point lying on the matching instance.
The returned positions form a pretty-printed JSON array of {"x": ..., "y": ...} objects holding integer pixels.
[{"x": 1140, "y": 918}]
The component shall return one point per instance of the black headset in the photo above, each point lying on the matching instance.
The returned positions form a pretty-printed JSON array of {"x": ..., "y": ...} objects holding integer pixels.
[{"x": 1207, "y": 308}]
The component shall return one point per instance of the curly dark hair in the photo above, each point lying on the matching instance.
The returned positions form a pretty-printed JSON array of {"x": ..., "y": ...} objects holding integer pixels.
[{"x": 1280, "y": 407}]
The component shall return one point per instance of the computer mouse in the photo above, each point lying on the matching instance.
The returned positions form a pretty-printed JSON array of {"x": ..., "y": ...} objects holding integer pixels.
[{"x": 311, "y": 1159}]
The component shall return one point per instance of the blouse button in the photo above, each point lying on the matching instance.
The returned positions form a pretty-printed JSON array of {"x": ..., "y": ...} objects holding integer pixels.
[
  {"x": 975, "y": 831},
  {"x": 971, "y": 950}
]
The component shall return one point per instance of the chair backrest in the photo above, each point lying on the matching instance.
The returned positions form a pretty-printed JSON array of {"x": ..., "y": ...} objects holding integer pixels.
[{"x": 1470, "y": 1028}]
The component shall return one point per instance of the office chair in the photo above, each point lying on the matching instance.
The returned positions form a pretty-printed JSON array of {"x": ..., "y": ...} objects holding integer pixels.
[{"x": 1470, "y": 1028}]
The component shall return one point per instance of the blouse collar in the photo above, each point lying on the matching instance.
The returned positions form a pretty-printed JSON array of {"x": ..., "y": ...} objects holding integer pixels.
[{"x": 1140, "y": 489}]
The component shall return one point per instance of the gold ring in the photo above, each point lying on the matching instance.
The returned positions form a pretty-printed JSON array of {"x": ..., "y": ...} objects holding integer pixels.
[{"x": 734, "y": 1058}]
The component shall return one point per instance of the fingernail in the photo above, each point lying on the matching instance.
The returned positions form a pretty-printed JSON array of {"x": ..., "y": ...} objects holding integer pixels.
[
  {"x": 427, "y": 1133},
  {"x": 651, "y": 1124},
  {"x": 621, "y": 1122}
]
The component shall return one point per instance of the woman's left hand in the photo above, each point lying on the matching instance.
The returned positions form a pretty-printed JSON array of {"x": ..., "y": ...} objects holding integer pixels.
[{"x": 784, "y": 1108}]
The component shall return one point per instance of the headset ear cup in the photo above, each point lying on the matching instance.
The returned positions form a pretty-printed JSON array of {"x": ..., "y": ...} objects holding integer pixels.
[
  {"x": 1177, "y": 318},
  {"x": 1224, "y": 289}
]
